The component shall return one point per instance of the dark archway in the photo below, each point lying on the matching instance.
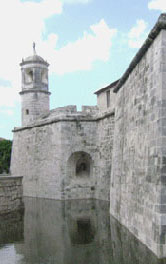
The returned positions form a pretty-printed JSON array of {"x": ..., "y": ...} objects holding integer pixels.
[
  {"x": 83, "y": 231},
  {"x": 83, "y": 167},
  {"x": 80, "y": 165}
]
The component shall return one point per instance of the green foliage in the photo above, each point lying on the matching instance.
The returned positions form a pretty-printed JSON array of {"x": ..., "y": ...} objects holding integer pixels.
[{"x": 5, "y": 155}]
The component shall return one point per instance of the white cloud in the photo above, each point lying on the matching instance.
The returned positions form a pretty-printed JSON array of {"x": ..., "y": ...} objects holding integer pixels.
[
  {"x": 24, "y": 23},
  {"x": 137, "y": 34},
  {"x": 157, "y": 5},
  {"x": 20, "y": 25},
  {"x": 8, "y": 96},
  {"x": 76, "y": 1},
  {"x": 81, "y": 54}
]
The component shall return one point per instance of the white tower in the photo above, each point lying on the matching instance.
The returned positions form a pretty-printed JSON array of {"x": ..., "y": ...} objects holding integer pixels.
[{"x": 34, "y": 94}]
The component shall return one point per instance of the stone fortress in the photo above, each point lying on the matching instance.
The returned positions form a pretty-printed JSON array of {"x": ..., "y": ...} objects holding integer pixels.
[{"x": 113, "y": 151}]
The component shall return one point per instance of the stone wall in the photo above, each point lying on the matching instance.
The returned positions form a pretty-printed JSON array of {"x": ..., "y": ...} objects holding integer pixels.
[
  {"x": 102, "y": 100},
  {"x": 104, "y": 142},
  {"x": 137, "y": 181},
  {"x": 11, "y": 198},
  {"x": 65, "y": 155},
  {"x": 106, "y": 98},
  {"x": 36, "y": 155},
  {"x": 33, "y": 104},
  {"x": 44, "y": 156}
]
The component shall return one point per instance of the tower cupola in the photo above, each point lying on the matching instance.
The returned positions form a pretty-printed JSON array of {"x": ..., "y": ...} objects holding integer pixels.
[{"x": 34, "y": 93}]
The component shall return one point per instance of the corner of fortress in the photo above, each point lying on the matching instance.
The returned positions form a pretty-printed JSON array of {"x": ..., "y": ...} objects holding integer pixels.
[{"x": 113, "y": 151}]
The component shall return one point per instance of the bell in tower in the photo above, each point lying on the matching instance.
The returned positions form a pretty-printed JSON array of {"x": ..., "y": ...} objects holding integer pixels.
[{"x": 34, "y": 94}]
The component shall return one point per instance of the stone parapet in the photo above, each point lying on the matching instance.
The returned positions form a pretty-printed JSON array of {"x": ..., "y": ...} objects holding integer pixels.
[{"x": 65, "y": 114}]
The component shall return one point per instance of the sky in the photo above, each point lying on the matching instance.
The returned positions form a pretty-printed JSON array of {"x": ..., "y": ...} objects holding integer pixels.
[{"x": 88, "y": 44}]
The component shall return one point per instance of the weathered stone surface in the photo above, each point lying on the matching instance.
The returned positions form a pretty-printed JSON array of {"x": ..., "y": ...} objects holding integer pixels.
[
  {"x": 137, "y": 193},
  {"x": 11, "y": 196},
  {"x": 47, "y": 153}
]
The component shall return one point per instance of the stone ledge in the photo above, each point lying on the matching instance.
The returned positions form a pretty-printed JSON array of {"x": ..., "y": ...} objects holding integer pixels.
[
  {"x": 34, "y": 91},
  {"x": 10, "y": 177}
]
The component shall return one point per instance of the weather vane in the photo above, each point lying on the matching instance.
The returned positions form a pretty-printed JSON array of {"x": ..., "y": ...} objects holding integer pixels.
[{"x": 34, "y": 48}]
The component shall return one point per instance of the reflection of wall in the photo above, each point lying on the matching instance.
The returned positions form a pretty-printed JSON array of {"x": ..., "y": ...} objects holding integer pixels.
[
  {"x": 127, "y": 249},
  {"x": 82, "y": 231},
  {"x": 77, "y": 232},
  {"x": 11, "y": 228}
]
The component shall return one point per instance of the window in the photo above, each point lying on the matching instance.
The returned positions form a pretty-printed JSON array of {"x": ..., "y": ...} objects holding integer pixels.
[
  {"x": 27, "y": 111},
  {"x": 108, "y": 98}
]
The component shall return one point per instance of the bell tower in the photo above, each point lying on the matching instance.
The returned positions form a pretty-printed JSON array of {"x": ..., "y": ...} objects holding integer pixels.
[{"x": 34, "y": 93}]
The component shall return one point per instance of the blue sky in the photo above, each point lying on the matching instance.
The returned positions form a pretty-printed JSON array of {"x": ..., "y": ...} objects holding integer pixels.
[{"x": 88, "y": 43}]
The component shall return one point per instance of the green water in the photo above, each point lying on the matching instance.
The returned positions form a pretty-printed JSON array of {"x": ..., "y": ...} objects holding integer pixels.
[{"x": 70, "y": 232}]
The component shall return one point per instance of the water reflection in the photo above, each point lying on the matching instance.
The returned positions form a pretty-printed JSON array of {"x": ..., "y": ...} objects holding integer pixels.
[
  {"x": 83, "y": 232},
  {"x": 11, "y": 228},
  {"x": 69, "y": 232}
]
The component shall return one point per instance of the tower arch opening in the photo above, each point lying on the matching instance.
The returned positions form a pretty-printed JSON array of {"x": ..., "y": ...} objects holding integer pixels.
[
  {"x": 44, "y": 76},
  {"x": 29, "y": 76}
]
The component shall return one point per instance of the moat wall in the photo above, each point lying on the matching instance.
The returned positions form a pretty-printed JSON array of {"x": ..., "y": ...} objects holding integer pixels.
[
  {"x": 50, "y": 155},
  {"x": 11, "y": 198},
  {"x": 137, "y": 194}
]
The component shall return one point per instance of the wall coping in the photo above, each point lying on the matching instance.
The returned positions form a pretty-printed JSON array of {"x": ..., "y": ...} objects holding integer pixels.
[
  {"x": 161, "y": 24},
  {"x": 110, "y": 86},
  {"x": 10, "y": 177},
  {"x": 34, "y": 91},
  {"x": 68, "y": 118}
]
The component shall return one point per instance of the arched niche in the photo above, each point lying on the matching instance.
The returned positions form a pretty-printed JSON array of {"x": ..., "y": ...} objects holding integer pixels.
[
  {"x": 28, "y": 76},
  {"x": 80, "y": 165}
]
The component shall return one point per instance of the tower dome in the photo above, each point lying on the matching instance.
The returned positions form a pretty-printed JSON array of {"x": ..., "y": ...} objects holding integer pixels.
[
  {"x": 33, "y": 58},
  {"x": 35, "y": 94}
]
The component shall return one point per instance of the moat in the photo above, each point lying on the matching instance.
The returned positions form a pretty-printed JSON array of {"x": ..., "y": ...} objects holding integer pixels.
[{"x": 68, "y": 232}]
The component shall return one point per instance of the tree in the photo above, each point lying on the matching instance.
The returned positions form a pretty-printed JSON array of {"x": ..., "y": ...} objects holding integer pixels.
[{"x": 5, "y": 155}]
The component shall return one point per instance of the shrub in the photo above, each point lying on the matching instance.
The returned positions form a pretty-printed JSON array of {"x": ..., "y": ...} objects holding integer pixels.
[{"x": 5, "y": 155}]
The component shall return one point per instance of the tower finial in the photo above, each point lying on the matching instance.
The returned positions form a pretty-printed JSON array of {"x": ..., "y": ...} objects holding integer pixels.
[{"x": 34, "y": 48}]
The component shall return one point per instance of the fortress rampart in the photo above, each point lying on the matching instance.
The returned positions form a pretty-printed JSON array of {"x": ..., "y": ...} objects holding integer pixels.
[{"x": 114, "y": 151}]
